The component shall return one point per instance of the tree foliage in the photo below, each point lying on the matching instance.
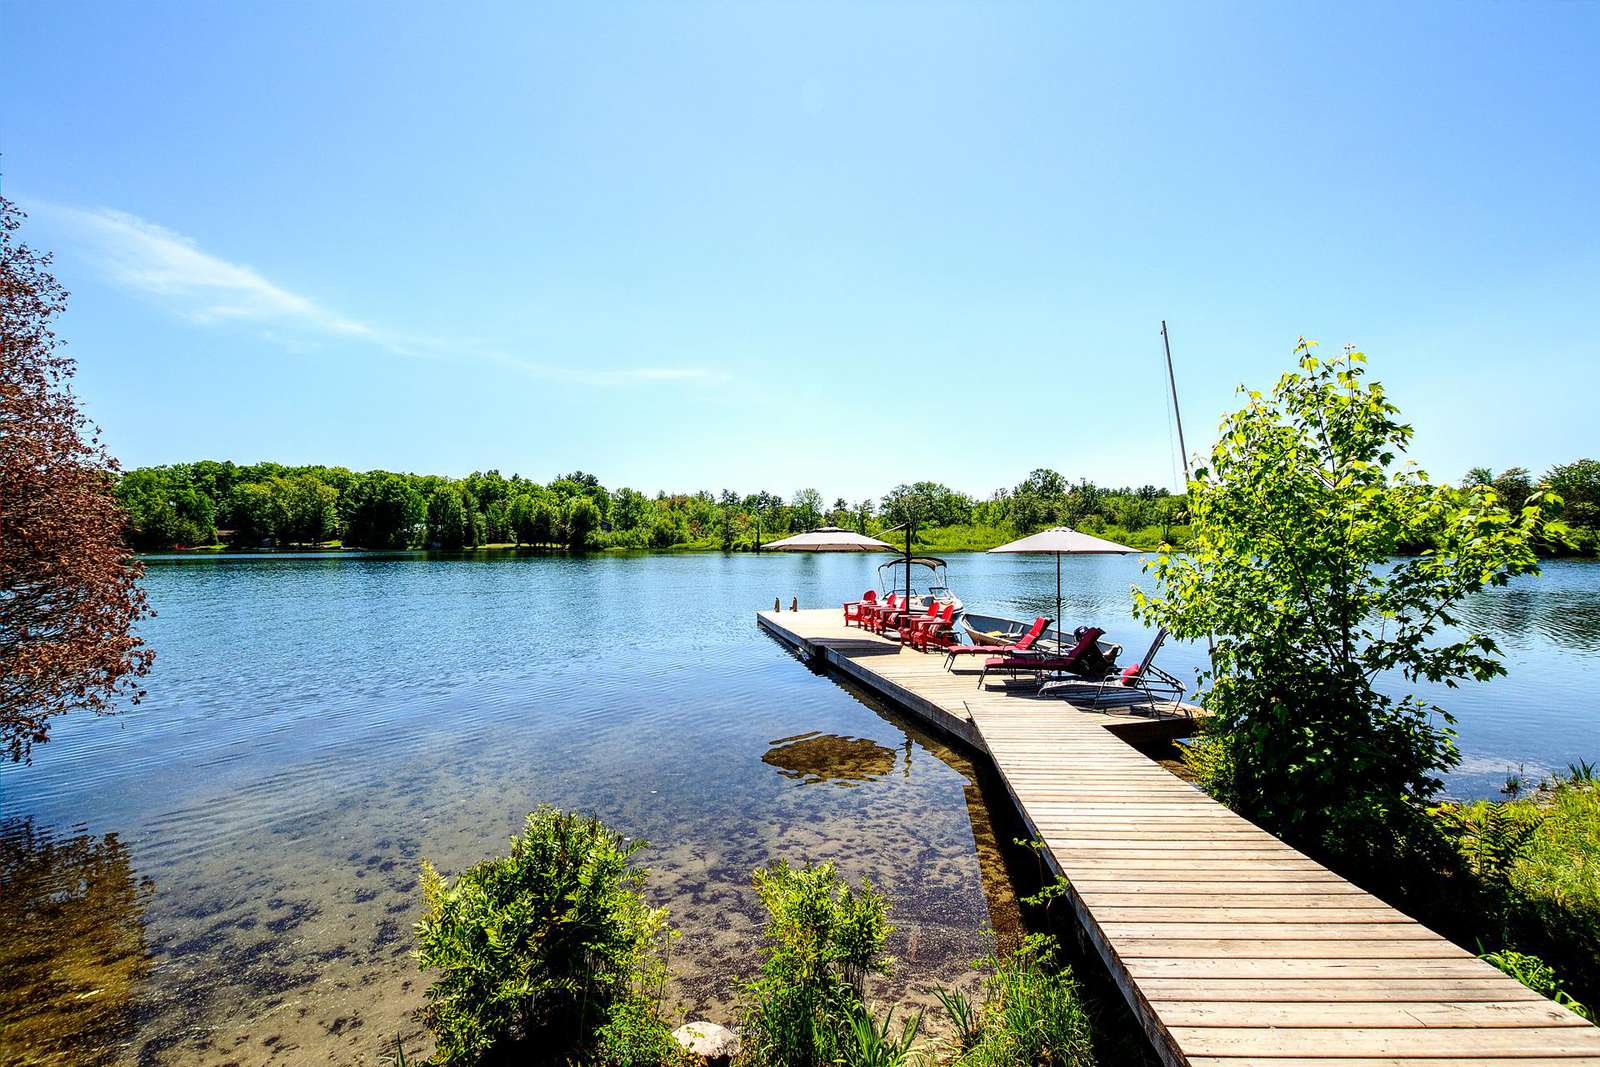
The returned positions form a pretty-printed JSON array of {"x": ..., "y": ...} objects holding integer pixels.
[
  {"x": 69, "y": 593},
  {"x": 925, "y": 503},
  {"x": 1292, "y": 572}
]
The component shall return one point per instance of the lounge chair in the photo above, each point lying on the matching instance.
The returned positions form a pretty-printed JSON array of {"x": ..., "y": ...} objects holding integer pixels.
[
  {"x": 1078, "y": 658},
  {"x": 1022, "y": 644},
  {"x": 1141, "y": 684},
  {"x": 852, "y": 609}
]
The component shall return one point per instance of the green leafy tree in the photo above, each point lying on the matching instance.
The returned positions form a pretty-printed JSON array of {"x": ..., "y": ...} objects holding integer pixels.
[
  {"x": 386, "y": 512},
  {"x": 544, "y": 522},
  {"x": 1514, "y": 485},
  {"x": 519, "y": 517},
  {"x": 926, "y": 503},
  {"x": 1169, "y": 511},
  {"x": 580, "y": 522},
  {"x": 664, "y": 532},
  {"x": 1578, "y": 485},
  {"x": 165, "y": 509},
  {"x": 307, "y": 511},
  {"x": 729, "y": 526},
  {"x": 1291, "y": 570},
  {"x": 1037, "y": 501},
  {"x": 630, "y": 510},
  {"x": 1082, "y": 504},
  {"x": 807, "y": 509},
  {"x": 496, "y": 523},
  {"x": 1131, "y": 512},
  {"x": 255, "y": 513},
  {"x": 449, "y": 518}
]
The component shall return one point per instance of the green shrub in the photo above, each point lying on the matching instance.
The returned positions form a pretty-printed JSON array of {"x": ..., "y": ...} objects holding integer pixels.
[
  {"x": 1555, "y": 883},
  {"x": 823, "y": 939},
  {"x": 545, "y": 949},
  {"x": 1526, "y": 875},
  {"x": 874, "y": 1044},
  {"x": 635, "y": 1036},
  {"x": 1538, "y": 976},
  {"x": 1033, "y": 1014}
]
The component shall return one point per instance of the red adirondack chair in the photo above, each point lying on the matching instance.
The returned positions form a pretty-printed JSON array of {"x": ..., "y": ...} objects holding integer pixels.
[{"x": 853, "y": 609}]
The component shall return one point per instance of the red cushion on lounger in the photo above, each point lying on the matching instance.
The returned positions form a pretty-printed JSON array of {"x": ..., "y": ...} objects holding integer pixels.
[
  {"x": 1129, "y": 674},
  {"x": 1091, "y": 634}
]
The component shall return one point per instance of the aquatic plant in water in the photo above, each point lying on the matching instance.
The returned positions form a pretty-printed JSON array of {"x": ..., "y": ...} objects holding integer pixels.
[
  {"x": 550, "y": 949},
  {"x": 824, "y": 938},
  {"x": 1033, "y": 1012}
]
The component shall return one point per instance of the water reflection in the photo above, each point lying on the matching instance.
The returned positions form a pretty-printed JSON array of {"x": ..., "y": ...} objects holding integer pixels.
[
  {"x": 72, "y": 945},
  {"x": 813, "y": 758},
  {"x": 1515, "y": 617},
  {"x": 1004, "y": 868}
]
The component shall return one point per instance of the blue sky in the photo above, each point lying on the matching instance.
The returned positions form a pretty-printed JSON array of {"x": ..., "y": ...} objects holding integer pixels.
[{"x": 774, "y": 246}]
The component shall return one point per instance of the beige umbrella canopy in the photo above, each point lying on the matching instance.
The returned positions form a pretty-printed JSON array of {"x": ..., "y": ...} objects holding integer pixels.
[
  {"x": 1063, "y": 541},
  {"x": 830, "y": 539}
]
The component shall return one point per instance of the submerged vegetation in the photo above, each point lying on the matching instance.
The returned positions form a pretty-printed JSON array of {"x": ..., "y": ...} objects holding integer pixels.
[{"x": 73, "y": 948}]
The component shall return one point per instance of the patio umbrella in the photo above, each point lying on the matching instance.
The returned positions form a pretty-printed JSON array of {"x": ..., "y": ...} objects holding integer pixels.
[
  {"x": 831, "y": 539},
  {"x": 1063, "y": 541}
]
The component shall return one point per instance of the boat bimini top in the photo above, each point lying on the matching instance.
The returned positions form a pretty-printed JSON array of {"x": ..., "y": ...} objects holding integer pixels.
[{"x": 930, "y": 572}]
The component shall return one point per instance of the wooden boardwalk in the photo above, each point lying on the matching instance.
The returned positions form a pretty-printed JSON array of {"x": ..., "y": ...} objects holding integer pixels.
[{"x": 1231, "y": 947}]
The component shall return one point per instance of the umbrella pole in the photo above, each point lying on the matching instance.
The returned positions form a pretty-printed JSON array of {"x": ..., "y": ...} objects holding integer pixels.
[
  {"x": 1059, "y": 631},
  {"x": 908, "y": 565}
]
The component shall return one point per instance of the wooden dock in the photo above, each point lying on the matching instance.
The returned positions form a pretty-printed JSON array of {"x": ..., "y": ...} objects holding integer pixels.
[{"x": 1231, "y": 947}]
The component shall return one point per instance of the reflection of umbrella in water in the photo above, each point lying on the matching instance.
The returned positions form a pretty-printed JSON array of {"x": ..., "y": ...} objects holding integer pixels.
[
  {"x": 815, "y": 757},
  {"x": 830, "y": 539}
]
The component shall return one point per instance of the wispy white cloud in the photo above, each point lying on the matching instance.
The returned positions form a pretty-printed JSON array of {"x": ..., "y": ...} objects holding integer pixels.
[{"x": 171, "y": 268}]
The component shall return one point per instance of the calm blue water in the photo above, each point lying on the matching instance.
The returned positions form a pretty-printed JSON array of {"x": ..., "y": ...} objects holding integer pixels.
[{"x": 316, "y": 725}]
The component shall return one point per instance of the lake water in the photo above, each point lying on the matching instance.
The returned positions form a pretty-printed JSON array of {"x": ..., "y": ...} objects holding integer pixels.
[{"x": 316, "y": 725}]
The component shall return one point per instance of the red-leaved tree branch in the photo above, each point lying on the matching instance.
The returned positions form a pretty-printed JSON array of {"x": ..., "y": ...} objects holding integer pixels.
[{"x": 69, "y": 588}]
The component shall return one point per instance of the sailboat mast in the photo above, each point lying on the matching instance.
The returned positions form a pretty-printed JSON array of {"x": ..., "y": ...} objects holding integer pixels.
[{"x": 1176, "y": 414}]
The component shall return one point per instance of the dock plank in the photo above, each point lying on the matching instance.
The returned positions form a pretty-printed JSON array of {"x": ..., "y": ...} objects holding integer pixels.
[{"x": 1230, "y": 946}]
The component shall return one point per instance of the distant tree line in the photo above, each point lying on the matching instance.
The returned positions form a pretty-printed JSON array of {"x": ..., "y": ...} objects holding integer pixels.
[
  {"x": 1577, "y": 529},
  {"x": 269, "y": 504}
]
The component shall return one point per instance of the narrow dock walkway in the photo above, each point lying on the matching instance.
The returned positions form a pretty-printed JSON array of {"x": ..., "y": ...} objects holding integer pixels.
[{"x": 1231, "y": 947}]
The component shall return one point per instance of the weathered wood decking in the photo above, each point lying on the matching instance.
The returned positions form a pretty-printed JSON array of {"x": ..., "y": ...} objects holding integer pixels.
[{"x": 1231, "y": 947}]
